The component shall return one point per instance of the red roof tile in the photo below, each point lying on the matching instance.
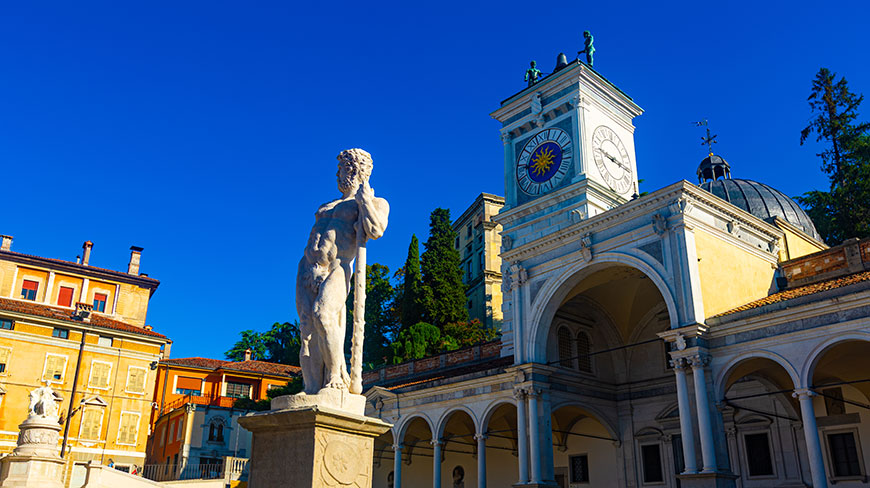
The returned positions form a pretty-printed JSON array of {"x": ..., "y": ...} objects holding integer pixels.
[
  {"x": 98, "y": 320},
  {"x": 802, "y": 291},
  {"x": 83, "y": 267},
  {"x": 259, "y": 367}
]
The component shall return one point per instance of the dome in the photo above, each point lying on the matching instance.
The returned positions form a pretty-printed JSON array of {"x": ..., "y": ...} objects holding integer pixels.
[{"x": 760, "y": 200}]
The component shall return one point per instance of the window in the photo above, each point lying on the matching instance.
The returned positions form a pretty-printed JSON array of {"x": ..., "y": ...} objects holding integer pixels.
[
  {"x": 844, "y": 454},
  {"x": 124, "y": 468},
  {"x": 92, "y": 419},
  {"x": 105, "y": 341},
  {"x": 651, "y": 457},
  {"x": 28, "y": 289},
  {"x": 128, "y": 431},
  {"x": 160, "y": 432},
  {"x": 5, "y": 353},
  {"x": 238, "y": 390},
  {"x": 136, "y": 379},
  {"x": 468, "y": 230},
  {"x": 188, "y": 386},
  {"x": 55, "y": 367},
  {"x": 580, "y": 469},
  {"x": 584, "y": 348},
  {"x": 758, "y": 454},
  {"x": 6, "y": 324},
  {"x": 100, "y": 302},
  {"x": 565, "y": 353},
  {"x": 834, "y": 403},
  {"x": 60, "y": 333},
  {"x": 456, "y": 244},
  {"x": 100, "y": 372},
  {"x": 480, "y": 263},
  {"x": 65, "y": 296},
  {"x": 216, "y": 432}
]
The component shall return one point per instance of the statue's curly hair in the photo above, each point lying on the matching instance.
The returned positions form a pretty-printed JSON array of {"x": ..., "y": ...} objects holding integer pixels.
[{"x": 359, "y": 158}]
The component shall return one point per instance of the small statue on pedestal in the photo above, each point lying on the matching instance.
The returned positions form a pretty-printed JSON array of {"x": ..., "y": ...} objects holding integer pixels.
[
  {"x": 532, "y": 74},
  {"x": 589, "y": 49}
]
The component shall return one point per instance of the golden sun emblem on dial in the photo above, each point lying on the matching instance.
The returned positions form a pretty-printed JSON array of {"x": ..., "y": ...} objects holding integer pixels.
[{"x": 542, "y": 161}]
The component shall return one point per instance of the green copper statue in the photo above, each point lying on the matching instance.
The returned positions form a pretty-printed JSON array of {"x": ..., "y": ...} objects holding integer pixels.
[
  {"x": 589, "y": 48},
  {"x": 532, "y": 74}
]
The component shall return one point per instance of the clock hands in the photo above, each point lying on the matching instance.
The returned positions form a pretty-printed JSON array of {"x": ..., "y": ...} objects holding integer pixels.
[{"x": 615, "y": 161}]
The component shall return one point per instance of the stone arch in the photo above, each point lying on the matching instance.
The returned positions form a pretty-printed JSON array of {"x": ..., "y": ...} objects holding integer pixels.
[
  {"x": 556, "y": 288},
  {"x": 401, "y": 429},
  {"x": 806, "y": 375},
  {"x": 597, "y": 414},
  {"x": 445, "y": 417},
  {"x": 725, "y": 372},
  {"x": 483, "y": 425}
]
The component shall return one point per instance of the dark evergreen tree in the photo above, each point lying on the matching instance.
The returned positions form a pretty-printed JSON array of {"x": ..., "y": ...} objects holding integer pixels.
[
  {"x": 252, "y": 340},
  {"x": 381, "y": 325},
  {"x": 844, "y": 211},
  {"x": 412, "y": 286},
  {"x": 443, "y": 290}
]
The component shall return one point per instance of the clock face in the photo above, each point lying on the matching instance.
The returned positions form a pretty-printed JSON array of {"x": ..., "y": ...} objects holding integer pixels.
[
  {"x": 544, "y": 161},
  {"x": 612, "y": 159}
]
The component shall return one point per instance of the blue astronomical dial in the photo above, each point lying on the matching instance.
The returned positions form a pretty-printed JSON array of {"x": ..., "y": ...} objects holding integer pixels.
[{"x": 544, "y": 161}]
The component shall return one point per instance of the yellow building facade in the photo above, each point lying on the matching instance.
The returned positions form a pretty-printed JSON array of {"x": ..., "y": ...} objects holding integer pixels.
[
  {"x": 479, "y": 244},
  {"x": 81, "y": 330}
]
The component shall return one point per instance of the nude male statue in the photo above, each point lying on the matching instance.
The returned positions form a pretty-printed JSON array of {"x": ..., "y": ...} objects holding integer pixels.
[{"x": 324, "y": 274}]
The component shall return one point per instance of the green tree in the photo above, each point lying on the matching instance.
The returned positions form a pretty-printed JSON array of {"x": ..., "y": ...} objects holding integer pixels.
[
  {"x": 415, "y": 342},
  {"x": 443, "y": 290},
  {"x": 844, "y": 210},
  {"x": 412, "y": 286},
  {"x": 381, "y": 325},
  {"x": 282, "y": 343},
  {"x": 250, "y": 340},
  {"x": 458, "y": 335}
]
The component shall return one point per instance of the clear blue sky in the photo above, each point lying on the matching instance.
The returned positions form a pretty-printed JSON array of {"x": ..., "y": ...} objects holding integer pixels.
[{"x": 206, "y": 132}]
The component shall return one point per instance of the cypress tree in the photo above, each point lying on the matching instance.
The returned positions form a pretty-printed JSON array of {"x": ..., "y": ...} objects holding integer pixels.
[
  {"x": 443, "y": 290},
  {"x": 412, "y": 286}
]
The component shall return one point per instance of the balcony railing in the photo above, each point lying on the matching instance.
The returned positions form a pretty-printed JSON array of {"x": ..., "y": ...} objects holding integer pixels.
[
  {"x": 229, "y": 469},
  {"x": 212, "y": 401}
]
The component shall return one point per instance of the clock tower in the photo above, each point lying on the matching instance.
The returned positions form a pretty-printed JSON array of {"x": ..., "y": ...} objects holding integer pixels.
[{"x": 569, "y": 141}]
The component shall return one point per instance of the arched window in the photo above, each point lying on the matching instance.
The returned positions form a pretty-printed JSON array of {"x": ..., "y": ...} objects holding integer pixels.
[
  {"x": 220, "y": 433},
  {"x": 211, "y": 432},
  {"x": 566, "y": 352},
  {"x": 216, "y": 430},
  {"x": 584, "y": 347}
]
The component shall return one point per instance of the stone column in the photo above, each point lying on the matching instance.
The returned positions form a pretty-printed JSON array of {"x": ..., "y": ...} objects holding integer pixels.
[
  {"x": 534, "y": 438},
  {"x": 481, "y": 460},
  {"x": 518, "y": 277},
  {"x": 436, "y": 463},
  {"x": 547, "y": 437},
  {"x": 811, "y": 433},
  {"x": 397, "y": 466},
  {"x": 705, "y": 426},
  {"x": 522, "y": 436},
  {"x": 687, "y": 429}
]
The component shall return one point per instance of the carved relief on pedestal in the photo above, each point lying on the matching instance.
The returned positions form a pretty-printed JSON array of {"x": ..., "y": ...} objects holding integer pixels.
[{"x": 344, "y": 461}]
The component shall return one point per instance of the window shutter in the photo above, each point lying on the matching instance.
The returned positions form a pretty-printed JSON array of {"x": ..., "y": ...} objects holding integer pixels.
[
  {"x": 91, "y": 423},
  {"x": 565, "y": 347},
  {"x": 100, "y": 375},
  {"x": 584, "y": 347},
  {"x": 4, "y": 355},
  {"x": 64, "y": 296},
  {"x": 136, "y": 380},
  {"x": 30, "y": 285},
  {"x": 54, "y": 365},
  {"x": 186, "y": 383},
  {"x": 129, "y": 428}
]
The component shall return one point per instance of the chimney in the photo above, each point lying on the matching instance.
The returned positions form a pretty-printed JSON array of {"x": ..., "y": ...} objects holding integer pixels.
[
  {"x": 135, "y": 256},
  {"x": 248, "y": 353},
  {"x": 5, "y": 243},
  {"x": 86, "y": 252}
]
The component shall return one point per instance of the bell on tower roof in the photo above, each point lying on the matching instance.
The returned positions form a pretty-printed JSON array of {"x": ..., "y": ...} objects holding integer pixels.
[{"x": 712, "y": 167}]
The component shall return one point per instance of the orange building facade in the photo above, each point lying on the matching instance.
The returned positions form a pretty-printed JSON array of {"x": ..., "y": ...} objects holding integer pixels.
[{"x": 195, "y": 422}]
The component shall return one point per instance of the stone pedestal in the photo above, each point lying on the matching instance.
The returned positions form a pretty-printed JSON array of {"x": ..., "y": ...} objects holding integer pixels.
[
  {"x": 35, "y": 463},
  {"x": 707, "y": 480},
  {"x": 311, "y": 446}
]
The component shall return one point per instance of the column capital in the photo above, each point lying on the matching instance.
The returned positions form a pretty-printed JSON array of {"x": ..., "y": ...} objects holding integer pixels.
[
  {"x": 479, "y": 437},
  {"x": 699, "y": 360},
  {"x": 506, "y": 137},
  {"x": 398, "y": 447},
  {"x": 436, "y": 442},
  {"x": 679, "y": 364},
  {"x": 801, "y": 393},
  {"x": 520, "y": 394},
  {"x": 518, "y": 275}
]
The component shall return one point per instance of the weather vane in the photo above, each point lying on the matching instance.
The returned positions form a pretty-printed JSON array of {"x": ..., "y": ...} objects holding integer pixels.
[{"x": 709, "y": 139}]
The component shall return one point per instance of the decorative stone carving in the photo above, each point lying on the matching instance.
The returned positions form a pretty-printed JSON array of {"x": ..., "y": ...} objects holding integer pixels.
[
  {"x": 506, "y": 243},
  {"x": 341, "y": 229},
  {"x": 682, "y": 206},
  {"x": 733, "y": 227},
  {"x": 537, "y": 107},
  {"x": 680, "y": 342},
  {"x": 518, "y": 275},
  {"x": 586, "y": 247},
  {"x": 659, "y": 224},
  {"x": 679, "y": 364},
  {"x": 506, "y": 137},
  {"x": 773, "y": 246},
  {"x": 578, "y": 215},
  {"x": 699, "y": 360}
]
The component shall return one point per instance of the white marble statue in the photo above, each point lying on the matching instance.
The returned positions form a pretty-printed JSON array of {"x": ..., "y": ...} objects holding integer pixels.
[
  {"x": 43, "y": 403},
  {"x": 341, "y": 228}
]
